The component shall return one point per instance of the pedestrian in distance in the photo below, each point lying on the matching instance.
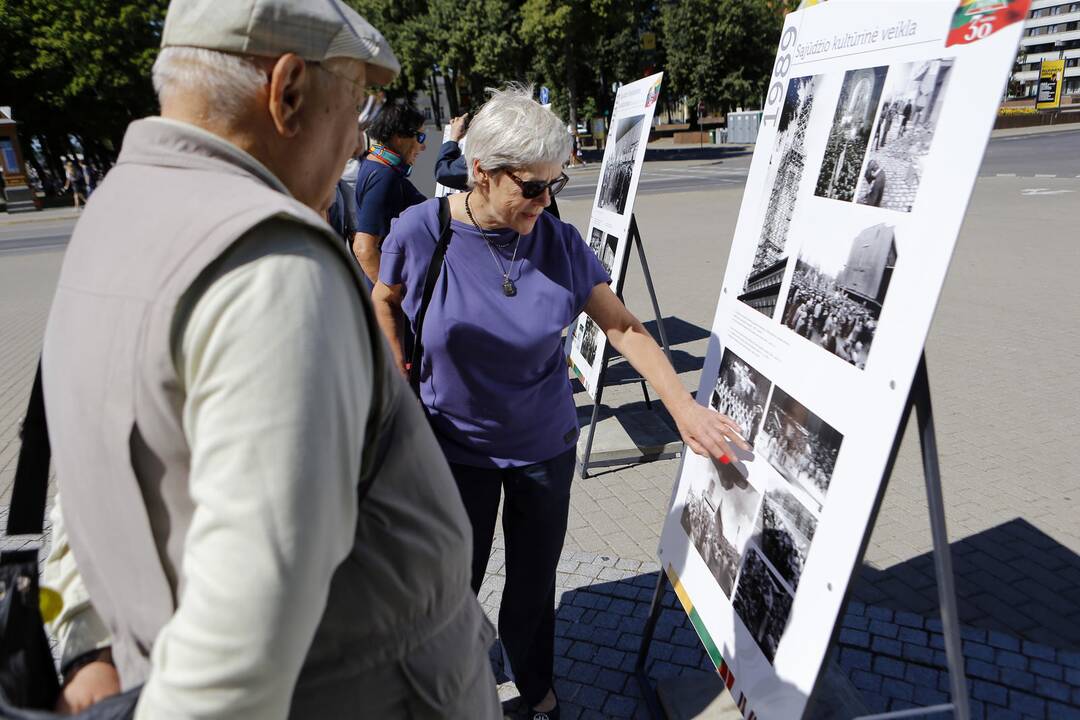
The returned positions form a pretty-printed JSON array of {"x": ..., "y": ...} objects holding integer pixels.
[
  {"x": 264, "y": 525},
  {"x": 492, "y": 376},
  {"x": 72, "y": 182},
  {"x": 383, "y": 189}
]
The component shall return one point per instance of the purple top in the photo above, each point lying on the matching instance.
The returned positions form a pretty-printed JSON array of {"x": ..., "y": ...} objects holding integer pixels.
[{"x": 493, "y": 376}]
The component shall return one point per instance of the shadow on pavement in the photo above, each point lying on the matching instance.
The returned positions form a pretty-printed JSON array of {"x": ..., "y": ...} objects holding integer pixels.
[{"x": 1012, "y": 578}]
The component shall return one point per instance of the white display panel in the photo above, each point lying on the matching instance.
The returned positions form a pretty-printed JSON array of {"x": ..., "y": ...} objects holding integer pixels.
[
  {"x": 875, "y": 124},
  {"x": 631, "y": 121}
]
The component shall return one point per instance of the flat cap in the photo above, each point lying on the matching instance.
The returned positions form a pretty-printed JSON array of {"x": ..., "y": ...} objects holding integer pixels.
[{"x": 316, "y": 30}]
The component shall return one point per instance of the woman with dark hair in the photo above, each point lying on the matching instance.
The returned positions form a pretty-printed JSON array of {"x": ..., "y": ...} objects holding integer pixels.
[{"x": 383, "y": 189}]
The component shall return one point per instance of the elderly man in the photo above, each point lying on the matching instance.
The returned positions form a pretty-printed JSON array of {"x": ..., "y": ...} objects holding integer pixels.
[{"x": 261, "y": 518}]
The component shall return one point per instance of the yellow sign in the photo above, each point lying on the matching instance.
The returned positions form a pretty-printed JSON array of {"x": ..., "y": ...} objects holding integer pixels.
[
  {"x": 648, "y": 41},
  {"x": 1048, "y": 95}
]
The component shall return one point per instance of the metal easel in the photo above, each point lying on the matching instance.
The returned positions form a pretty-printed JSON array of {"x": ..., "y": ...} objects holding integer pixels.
[
  {"x": 919, "y": 399},
  {"x": 634, "y": 238}
]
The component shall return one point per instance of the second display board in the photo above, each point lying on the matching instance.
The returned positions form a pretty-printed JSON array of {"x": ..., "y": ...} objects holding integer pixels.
[{"x": 613, "y": 205}]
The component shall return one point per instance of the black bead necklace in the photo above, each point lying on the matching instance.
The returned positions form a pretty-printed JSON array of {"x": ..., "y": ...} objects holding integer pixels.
[{"x": 508, "y": 286}]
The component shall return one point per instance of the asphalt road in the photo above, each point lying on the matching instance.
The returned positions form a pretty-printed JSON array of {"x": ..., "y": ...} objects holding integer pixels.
[
  {"x": 34, "y": 236},
  {"x": 1043, "y": 155},
  {"x": 1053, "y": 154}
]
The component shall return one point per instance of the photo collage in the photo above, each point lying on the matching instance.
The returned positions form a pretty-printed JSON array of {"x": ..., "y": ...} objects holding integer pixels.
[
  {"x": 753, "y": 526},
  {"x": 860, "y": 139},
  {"x": 880, "y": 132},
  {"x": 587, "y": 334}
]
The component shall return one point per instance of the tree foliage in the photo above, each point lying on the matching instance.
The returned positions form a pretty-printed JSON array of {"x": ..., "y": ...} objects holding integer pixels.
[
  {"x": 720, "y": 52},
  {"x": 78, "y": 71}
]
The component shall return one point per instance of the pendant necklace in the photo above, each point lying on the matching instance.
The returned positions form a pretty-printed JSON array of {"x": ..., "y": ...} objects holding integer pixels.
[{"x": 508, "y": 287}]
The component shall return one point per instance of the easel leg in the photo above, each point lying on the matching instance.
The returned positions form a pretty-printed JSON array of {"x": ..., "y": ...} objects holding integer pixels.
[
  {"x": 583, "y": 466},
  {"x": 635, "y": 237},
  {"x": 652, "y": 702},
  {"x": 950, "y": 617}
]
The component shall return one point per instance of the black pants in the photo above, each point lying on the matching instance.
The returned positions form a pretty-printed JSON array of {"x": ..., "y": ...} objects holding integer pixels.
[{"x": 534, "y": 527}]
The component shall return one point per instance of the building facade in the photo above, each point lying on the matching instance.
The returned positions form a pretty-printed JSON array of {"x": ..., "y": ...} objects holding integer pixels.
[{"x": 1051, "y": 32}]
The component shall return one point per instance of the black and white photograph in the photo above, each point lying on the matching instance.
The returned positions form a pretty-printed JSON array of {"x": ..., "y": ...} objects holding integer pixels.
[
  {"x": 784, "y": 532},
  {"x": 914, "y": 95},
  {"x": 740, "y": 393},
  {"x": 589, "y": 339},
  {"x": 762, "y": 603},
  {"x": 800, "y": 445},
  {"x": 604, "y": 246},
  {"x": 761, "y": 288},
  {"x": 838, "y": 289},
  {"x": 618, "y": 169},
  {"x": 850, "y": 133},
  {"x": 720, "y": 520}
]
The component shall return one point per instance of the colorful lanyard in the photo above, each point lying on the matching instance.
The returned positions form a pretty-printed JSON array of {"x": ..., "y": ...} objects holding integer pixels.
[{"x": 388, "y": 157}]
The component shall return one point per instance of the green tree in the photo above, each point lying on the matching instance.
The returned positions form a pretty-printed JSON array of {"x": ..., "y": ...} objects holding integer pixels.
[
  {"x": 79, "y": 70},
  {"x": 478, "y": 47},
  {"x": 720, "y": 52}
]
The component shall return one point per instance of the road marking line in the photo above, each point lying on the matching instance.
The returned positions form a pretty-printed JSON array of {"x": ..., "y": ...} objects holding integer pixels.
[
  {"x": 1042, "y": 175},
  {"x": 1006, "y": 174}
]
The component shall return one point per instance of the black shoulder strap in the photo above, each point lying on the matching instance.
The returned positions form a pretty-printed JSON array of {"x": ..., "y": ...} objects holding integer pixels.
[
  {"x": 26, "y": 514},
  {"x": 432, "y": 276}
]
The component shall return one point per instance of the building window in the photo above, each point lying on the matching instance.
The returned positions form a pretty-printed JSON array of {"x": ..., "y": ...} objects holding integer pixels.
[
  {"x": 1072, "y": 62},
  {"x": 1072, "y": 86}
]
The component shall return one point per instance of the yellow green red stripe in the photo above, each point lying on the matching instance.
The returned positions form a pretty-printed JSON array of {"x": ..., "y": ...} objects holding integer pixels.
[{"x": 695, "y": 618}]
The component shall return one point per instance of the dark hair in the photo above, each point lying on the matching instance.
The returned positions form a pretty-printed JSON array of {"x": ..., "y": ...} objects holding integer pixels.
[{"x": 395, "y": 119}]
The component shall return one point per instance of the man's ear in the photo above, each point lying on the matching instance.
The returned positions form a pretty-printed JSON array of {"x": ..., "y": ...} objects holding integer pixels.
[{"x": 290, "y": 81}]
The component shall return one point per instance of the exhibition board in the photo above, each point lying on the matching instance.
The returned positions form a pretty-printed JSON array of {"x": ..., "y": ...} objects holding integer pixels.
[
  {"x": 613, "y": 205},
  {"x": 875, "y": 123}
]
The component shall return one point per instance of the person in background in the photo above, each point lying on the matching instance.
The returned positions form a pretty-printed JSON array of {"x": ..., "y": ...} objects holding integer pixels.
[
  {"x": 73, "y": 181},
  {"x": 451, "y": 169},
  {"x": 383, "y": 189},
  {"x": 257, "y": 519},
  {"x": 87, "y": 175},
  {"x": 493, "y": 376}
]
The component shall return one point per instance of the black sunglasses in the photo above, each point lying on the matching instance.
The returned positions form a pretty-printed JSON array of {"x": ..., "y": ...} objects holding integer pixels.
[
  {"x": 420, "y": 137},
  {"x": 531, "y": 189}
]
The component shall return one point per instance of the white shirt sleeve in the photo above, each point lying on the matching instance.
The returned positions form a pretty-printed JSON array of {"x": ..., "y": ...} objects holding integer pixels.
[
  {"x": 277, "y": 371},
  {"x": 78, "y": 628}
]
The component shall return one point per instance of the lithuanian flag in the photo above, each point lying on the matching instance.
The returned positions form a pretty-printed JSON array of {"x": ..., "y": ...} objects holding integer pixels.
[{"x": 976, "y": 20}]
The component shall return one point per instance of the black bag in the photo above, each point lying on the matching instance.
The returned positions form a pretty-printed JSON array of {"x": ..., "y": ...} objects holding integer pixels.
[
  {"x": 29, "y": 684},
  {"x": 430, "y": 278}
]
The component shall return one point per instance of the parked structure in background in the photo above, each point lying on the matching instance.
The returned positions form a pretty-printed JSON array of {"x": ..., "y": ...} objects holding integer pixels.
[
  {"x": 17, "y": 194},
  {"x": 1051, "y": 32}
]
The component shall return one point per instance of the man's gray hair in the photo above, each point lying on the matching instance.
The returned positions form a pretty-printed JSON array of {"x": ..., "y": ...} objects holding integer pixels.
[
  {"x": 227, "y": 81},
  {"x": 512, "y": 130}
]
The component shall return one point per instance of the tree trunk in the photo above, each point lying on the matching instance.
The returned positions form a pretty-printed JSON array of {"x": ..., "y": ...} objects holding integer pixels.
[
  {"x": 571, "y": 91},
  {"x": 451, "y": 93}
]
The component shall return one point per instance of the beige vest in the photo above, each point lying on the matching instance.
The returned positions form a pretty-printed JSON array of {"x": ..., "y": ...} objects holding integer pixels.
[{"x": 175, "y": 202}]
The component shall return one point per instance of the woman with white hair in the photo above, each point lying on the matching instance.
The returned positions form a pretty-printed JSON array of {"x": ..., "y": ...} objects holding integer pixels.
[{"x": 493, "y": 377}]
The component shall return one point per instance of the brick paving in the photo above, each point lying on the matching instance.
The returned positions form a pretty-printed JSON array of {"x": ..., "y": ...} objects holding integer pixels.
[{"x": 1002, "y": 358}]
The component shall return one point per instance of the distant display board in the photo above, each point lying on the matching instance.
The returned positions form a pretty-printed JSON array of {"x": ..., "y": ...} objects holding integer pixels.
[
  {"x": 631, "y": 121},
  {"x": 1051, "y": 74}
]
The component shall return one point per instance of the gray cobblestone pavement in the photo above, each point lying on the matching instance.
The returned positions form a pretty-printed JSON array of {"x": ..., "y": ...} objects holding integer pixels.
[{"x": 1002, "y": 358}]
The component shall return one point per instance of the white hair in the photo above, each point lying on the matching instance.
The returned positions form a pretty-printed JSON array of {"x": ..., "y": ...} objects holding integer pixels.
[
  {"x": 228, "y": 82},
  {"x": 512, "y": 130}
]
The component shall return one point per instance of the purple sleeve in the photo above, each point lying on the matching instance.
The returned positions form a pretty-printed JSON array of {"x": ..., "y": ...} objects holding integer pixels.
[
  {"x": 402, "y": 242},
  {"x": 586, "y": 270}
]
